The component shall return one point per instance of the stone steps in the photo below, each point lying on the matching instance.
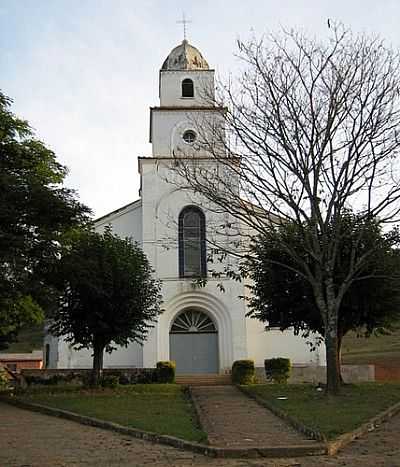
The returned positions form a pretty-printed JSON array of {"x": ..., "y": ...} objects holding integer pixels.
[{"x": 203, "y": 380}]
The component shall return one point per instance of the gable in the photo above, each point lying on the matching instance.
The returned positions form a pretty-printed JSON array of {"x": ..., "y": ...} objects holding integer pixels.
[{"x": 125, "y": 221}]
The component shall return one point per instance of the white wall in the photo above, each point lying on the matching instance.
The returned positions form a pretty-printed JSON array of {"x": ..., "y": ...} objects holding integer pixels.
[
  {"x": 169, "y": 125},
  {"x": 162, "y": 203},
  {"x": 126, "y": 222},
  {"x": 171, "y": 88},
  {"x": 272, "y": 343},
  {"x": 122, "y": 357}
]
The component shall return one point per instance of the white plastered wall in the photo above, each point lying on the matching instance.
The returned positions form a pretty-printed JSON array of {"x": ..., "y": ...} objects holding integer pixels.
[
  {"x": 171, "y": 88},
  {"x": 168, "y": 127},
  {"x": 163, "y": 202},
  {"x": 263, "y": 344},
  {"x": 122, "y": 357},
  {"x": 126, "y": 222}
]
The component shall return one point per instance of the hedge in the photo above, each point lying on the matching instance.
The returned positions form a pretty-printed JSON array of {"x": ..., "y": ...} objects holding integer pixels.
[
  {"x": 243, "y": 372},
  {"x": 166, "y": 372},
  {"x": 277, "y": 369}
]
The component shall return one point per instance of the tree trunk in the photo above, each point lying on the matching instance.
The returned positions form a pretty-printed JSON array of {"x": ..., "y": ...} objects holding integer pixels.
[
  {"x": 97, "y": 371},
  {"x": 332, "y": 361}
]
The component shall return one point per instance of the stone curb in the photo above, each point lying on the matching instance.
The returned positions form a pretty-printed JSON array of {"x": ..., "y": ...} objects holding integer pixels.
[
  {"x": 307, "y": 431},
  {"x": 343, "y": 440},
  {"x": 210, "y": 451},
  {"x": 197, "y": 411},
  {"x": 332, "y": 447}
]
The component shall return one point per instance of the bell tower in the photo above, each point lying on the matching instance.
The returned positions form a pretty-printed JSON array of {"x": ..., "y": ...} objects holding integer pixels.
[
  {"x": 176, "y": 221},
  {"x": 186, "y": 91}
]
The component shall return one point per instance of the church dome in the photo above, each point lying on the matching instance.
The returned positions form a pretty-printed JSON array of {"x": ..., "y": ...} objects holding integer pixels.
[{"x": 185, "y": 57}]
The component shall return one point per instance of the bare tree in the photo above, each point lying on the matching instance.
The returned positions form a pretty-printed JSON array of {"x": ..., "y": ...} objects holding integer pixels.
[{"x": 308, "y": 130}]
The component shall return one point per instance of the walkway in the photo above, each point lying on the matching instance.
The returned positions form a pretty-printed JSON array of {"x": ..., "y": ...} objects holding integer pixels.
[
  {"x": 232, "y": 419},
  {"x": 29, "y": 439}
]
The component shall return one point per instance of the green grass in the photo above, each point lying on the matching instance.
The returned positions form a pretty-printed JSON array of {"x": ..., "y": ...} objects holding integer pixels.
[
  {"x": 160, "y": 408},
  {"x": 28, "y": 339},
  {"x": 331, "y": 416},
  {"x": 384, "y": 350}
]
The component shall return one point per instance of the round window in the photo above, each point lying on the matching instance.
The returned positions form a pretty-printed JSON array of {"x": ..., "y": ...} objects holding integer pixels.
[{"x": 189, "y": 136}]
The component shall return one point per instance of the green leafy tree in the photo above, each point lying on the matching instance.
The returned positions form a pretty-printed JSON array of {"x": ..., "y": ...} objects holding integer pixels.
[
  {"x": 35, "y": 211},
  {"x": 283, "y": 297},
  {"x": 13, "y": 313},
  {"x": 108, "y": 294}
]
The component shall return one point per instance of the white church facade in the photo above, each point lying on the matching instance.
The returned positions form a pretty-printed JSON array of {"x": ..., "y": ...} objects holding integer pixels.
[{"x": 203, "y": 329}]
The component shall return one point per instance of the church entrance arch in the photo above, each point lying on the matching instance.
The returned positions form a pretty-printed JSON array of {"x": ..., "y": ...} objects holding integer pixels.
[{"x": 193, "y": 343}]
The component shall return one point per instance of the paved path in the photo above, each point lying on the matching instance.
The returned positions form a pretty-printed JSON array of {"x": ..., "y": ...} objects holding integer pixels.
[
  {"x": 232, "y": 419},
  {"x": 29, "y": 439}
]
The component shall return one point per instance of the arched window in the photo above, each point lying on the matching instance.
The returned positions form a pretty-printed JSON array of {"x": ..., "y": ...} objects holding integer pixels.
[
  {"x": 192, "y": 243},
  {"x": 192, "y": 321},
  {"x": 187, "y": 88}
]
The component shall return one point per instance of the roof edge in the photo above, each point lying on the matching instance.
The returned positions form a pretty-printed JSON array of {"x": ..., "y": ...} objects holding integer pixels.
[{"x": 116, "y": 211}]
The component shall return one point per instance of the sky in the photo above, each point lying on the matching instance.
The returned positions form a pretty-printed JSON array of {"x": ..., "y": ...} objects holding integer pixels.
[{"x": 85, "y": 72}]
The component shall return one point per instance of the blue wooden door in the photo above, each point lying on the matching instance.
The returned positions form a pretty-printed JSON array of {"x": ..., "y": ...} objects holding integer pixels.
[{"x": 194, "y": 352}]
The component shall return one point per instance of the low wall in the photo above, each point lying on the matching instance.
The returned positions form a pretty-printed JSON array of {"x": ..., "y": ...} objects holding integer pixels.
[
  {"x": 387, "y": 373},
  {"x": 317, "y": 374}
]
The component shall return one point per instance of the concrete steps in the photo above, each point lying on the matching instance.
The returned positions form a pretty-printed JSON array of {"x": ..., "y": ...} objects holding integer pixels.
[{"x": 203, "y": 380}]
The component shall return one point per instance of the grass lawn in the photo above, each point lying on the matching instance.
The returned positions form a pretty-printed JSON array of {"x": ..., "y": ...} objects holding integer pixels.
[
  {"x": 160, "y": 408},
  {"x": 30, "y": 338},
  {"x": 383, "y": 350},
  {"x": 331, "y": 416}
]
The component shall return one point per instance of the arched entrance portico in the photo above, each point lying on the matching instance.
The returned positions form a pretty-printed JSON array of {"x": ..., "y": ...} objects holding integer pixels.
[{"x": 193, "y": 342}]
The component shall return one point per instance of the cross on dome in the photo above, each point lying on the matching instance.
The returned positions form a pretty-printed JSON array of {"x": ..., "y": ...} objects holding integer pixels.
[{"x": 184, "y": 22}]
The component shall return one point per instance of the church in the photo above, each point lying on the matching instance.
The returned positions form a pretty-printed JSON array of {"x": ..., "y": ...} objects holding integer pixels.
[{"x": 203, "y": 329}]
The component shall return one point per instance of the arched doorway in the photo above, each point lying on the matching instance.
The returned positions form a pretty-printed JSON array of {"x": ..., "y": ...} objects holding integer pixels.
[{"x": 193, "y": 343}]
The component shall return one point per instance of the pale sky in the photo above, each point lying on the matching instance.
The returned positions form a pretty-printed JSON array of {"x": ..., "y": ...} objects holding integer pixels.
[{"x": 85, "y": 72}]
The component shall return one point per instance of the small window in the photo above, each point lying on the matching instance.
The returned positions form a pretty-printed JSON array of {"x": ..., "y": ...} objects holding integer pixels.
[
  {"x": 12, "y": 366},
  {"x": 189, "y": 137},
  {"x": 187, "y": 88}
]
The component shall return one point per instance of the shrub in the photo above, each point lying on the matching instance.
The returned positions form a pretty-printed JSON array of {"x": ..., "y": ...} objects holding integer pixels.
[
  {"x": 110, "y": 381},
  {"x": 4, "y": 380},
  {"x": 166, "y": 372},
  {"x": 146, "y": 377},
  {"x": 53, "y": 379},
  {"x": 124, "y": 379},
  {"x": 277, "y": 369},
  {"x": 243, "y": 372}
]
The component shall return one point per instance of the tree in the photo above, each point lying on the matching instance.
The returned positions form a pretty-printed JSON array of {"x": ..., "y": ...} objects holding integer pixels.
[
  {"x": 35, "y": 211},
  {"x": 15, "y": 313},
  {"x": 108, "y": 294},
  {"x": 283, "y": 297},
  {"x": 310, "y": 130}
]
